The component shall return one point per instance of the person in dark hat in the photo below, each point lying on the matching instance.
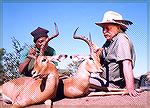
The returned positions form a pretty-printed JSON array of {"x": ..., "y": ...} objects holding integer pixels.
[
  {"x": 119, "y": 55},
  {"x": 39, "y": 36}
]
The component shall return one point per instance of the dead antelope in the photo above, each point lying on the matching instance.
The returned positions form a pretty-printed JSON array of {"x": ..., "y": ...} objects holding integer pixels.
[
  {"x": 26, "y": 91},
  {"x": 78, "y": 85}
]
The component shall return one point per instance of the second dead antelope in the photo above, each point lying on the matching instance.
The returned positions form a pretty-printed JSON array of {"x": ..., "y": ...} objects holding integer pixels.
[{"x": 78, "y": 85}]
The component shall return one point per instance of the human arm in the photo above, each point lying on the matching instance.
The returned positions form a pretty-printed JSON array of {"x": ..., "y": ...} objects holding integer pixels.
[
  {"x": 26, "y": 59},
  {"x": 126, "y": 55},
  {"x": 23, "y": 65},
  {"x": 129, "y": 78}
]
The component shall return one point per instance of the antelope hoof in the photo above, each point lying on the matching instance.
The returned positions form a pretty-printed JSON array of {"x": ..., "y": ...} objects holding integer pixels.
[{"x": 48, "y": 102}]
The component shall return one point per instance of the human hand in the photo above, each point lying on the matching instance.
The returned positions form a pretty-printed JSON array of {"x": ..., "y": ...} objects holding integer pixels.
[
  {"x": 32, "y": 52},
  {"x": 43, "y": 48},
  {"x": 132, "y": 92},
  {"x": 94, "y": 47},
  {"x": 98, "y": 51}
]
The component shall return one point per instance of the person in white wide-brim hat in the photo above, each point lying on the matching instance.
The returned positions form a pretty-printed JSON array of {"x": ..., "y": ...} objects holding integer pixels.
[
  {"x": 118, "y": 55},
  {"x": 111, "y": 17}
]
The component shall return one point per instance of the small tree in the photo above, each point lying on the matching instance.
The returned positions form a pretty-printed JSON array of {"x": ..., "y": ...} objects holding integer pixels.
[
  {"x": 1, "y": 65},
  {"x": 73, "y": 66},
  {"x": 11, "y": 61}
]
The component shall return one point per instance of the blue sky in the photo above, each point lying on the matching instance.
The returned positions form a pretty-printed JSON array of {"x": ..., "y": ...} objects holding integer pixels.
[{"x": 19, "y": 19}]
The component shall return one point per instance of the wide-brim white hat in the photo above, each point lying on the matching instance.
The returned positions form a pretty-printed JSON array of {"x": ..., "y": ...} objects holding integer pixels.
[{"x": 111, "y": 17}]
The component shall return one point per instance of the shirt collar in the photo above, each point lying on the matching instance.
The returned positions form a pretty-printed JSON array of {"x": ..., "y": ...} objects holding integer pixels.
[
  {"x": 115, "y": 37},
  {"x": 38, "y": 51}
]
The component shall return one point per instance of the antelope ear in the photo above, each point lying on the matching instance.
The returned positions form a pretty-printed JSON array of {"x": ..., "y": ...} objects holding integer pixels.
[{"x": 59, "y": 58}]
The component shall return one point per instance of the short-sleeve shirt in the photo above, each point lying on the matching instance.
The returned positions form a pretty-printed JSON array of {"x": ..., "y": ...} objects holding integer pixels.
[
  {"x": 49, "y": 52},
  {"x": 120, "y": 48}
]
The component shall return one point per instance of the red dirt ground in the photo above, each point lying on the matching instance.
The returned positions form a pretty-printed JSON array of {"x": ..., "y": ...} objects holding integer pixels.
[{"x": 113, "y": 101}]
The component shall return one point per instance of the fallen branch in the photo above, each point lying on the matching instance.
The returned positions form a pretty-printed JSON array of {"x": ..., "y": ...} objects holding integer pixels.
[
  {"x": 105, "y": 93},
  {"x": 112, "y": 91}
]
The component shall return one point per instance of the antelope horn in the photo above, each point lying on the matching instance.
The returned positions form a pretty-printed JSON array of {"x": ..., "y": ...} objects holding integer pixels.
[
  {"x": 84, "y": 39},
  {"x": 90, "y": 36},
  {"x": 48, "y": 39},
  {"x": 53, "y": 35}
]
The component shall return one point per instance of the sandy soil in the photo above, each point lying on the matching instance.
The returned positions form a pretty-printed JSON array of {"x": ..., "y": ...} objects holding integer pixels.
[{"x": 113, "y": 101}]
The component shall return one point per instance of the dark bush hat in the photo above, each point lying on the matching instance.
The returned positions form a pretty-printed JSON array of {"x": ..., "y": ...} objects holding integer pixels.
[{"x": 39, "y": 32}]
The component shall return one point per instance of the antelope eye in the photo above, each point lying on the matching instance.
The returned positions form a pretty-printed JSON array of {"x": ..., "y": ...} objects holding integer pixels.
[
  {"x": 91, "y": 58},
  {"x": 43, "y": 60}
]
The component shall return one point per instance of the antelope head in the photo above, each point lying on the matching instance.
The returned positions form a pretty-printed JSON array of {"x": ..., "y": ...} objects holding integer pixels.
[
  {"x": 44, "y": 65},
  {"x": 93, "y": 60}
]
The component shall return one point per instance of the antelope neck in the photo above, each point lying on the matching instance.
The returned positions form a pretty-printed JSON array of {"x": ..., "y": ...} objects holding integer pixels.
[{"x": 84, "y": 74}]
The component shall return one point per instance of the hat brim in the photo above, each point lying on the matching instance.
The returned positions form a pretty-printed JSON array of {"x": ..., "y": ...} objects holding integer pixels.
[{"x": 102, "y": 24}]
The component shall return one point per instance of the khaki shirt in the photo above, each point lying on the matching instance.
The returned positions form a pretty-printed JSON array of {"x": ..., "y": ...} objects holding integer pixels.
[{"x": 115, "y": 51}]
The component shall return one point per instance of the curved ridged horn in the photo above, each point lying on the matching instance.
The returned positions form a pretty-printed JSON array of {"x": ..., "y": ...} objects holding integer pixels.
[
  {"x": 89, "y": 42},
  {"x": 48, "y": 39}
]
